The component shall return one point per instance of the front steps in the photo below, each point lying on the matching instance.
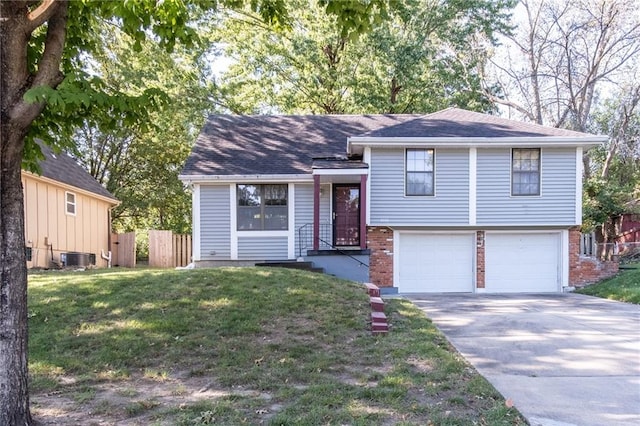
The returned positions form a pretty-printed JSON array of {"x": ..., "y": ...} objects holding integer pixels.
[{"x": 305, "y": 266}]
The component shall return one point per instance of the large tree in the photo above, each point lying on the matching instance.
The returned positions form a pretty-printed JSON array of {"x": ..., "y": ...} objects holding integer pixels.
[
  {"x": 43, "y": 85},
  {"x": 421, "y": 59},
  {"x": 140, "y": 163},
  {"x": 574, "y": 64},
  {"x": 613, "y": 185},
  {"x": 562, "y": 56}
]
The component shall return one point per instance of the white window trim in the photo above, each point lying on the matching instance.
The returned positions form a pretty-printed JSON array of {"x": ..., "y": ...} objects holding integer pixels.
[
  {"x": 539, "y": 194},
  {"x": 67, "y": 203},
  {"x": 366, "y": 157},
  {"x": 404, "y": 177},
  {"x": 473, "y": 172},
  {"x": 289, "y": 204},
  {"x": 579, "y": 167},
  {"x": 291, "y": 232},
  {"x": 195, "y": 200},
  {"x": 233, "y": 211}
]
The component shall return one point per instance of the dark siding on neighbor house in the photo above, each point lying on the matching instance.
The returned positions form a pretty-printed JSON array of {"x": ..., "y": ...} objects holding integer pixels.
[
  {"x": 449, "y": 206},
  {"x": 215, "y": 222},
  {"x": 555, "y": 206}
]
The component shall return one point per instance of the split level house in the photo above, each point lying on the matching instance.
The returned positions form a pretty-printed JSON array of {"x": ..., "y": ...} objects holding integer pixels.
[
  {"x": 454, "y": 201},
  {"x": 67, "y": 214}
]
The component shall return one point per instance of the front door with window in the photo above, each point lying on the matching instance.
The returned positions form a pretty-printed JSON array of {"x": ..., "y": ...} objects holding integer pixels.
[{"x": 346, "y": 215}]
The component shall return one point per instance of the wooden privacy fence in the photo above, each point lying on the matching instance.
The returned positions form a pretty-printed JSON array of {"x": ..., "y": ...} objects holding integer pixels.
[
  {"x": 169, "y": 250},
  {"x": 123, "y": 250}
]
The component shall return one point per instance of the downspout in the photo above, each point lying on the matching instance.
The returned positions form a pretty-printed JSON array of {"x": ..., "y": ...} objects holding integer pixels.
[{"x": 108, "y": 257}]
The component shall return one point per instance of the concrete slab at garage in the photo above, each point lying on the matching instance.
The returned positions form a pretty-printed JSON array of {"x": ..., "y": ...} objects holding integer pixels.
[{"x": 564, "y": 359}]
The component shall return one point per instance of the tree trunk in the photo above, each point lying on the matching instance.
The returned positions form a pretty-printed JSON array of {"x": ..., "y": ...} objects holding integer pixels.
[
  {"x": 609, "y": 239},
  {"x": 14, "y": 394}
]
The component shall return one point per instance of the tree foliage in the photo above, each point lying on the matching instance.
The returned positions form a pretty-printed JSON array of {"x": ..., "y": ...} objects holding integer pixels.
[
  {"x": 47, "y": 92},
  {"x": 574, "y": 64},
  {"x": 422, "y": 58},
  {"x": 140, "y": 163},
  {"x": 561, "y": 58},
  {"x": 613, "y": 186}
]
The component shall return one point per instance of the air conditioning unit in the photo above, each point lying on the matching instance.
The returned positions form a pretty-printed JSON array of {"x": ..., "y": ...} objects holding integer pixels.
[{"x": 78, "y": 259}]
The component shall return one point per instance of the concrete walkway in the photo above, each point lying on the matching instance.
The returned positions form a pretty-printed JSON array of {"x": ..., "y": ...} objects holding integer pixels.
[{"x": 564, "y": 359}]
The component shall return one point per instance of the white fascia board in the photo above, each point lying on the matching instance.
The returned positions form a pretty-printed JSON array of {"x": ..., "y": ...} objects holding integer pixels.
[
  {"x": 74, "y": 189},
  {"x": 195, "y": 229},
  {"x": 245, "y": 178},
  {"x": 482, "y": 226},
  {"x": 340, "y": 172},
  {"x": 463, "y": 142}
]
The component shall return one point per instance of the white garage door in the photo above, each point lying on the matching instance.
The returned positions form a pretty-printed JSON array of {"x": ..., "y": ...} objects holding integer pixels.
[
  {"x": 520, "y": 263},
  {"x": 435, "y": 263}
]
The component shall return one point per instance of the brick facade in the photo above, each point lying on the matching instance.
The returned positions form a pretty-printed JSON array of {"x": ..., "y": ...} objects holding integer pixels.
[
  {"x": 480, "y": 259},
  {"x": 380, "y": 242},
  {"x": 586, "y": 270}
]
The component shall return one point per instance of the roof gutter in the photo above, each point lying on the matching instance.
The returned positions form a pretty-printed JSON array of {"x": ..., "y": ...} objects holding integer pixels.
[
  {"x": 189, "y": 179},
  {"x": 71, "y": 188},
  {"x": 477, "y": 142}
]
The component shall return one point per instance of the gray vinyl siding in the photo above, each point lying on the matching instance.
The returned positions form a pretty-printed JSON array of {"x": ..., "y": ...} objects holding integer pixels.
[
  {"x": 262, "y": 248},
  {"x": 215, "y": 222},
  {"x": 449, "y": 205},
  {"x": 557, "y": 201},
  {"x": 304, "y": 210}
]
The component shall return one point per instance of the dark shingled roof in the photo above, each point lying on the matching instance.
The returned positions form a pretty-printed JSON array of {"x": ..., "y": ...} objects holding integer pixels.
[
  {"x": 277, "y": 144},
  {"x": 65, "y": 169},
  {"x": 455, "y": 123}
]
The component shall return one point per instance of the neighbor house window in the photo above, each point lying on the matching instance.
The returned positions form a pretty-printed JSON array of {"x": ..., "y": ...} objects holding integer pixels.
[
  {"x": 70, "y": 202},
  {"x": 419, "y": 170},
  {"x": 525, "y": 171},
  {"x": 262, "y": 207}
]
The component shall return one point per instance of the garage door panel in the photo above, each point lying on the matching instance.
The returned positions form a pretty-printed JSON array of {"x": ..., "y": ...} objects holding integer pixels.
[
  {"x": 435, "y": 263},
  {"x": 525, "y": 262}
]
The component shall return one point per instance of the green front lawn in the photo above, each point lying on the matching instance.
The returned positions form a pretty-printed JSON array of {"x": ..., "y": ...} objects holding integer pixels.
[
  {"x": 624, "y": 287},
  {"x": 241, "y": 346}
]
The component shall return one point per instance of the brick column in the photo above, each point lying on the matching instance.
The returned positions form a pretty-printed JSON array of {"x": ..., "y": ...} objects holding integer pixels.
[
  {"x": 380, "y": 242},
  {"x": 586, "y": 270},
  {"x": 480, "y": 259},
  {"x": 574, "y": 255}
]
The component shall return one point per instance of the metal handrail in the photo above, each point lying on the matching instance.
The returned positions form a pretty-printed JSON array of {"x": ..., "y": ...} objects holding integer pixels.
[{"x": 303, "y": 242}]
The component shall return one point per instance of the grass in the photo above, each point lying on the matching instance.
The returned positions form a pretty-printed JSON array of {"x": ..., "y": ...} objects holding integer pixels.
[
  {"x": 624, "y": 287},
  {"x": 243, "y": 346}
]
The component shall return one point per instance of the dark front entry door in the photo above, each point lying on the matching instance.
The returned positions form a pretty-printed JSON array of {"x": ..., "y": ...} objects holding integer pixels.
[{"x": 346, "y": 215}]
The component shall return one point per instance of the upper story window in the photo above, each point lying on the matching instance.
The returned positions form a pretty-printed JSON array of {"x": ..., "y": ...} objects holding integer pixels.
[
  {"x": 525, "y": 171},
  {"x": 419, "y": 172},
  {"x": 70, "y": 203},
  {"x": 262, "y": 207}
]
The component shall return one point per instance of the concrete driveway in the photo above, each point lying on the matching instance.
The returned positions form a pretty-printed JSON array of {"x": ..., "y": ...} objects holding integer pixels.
[{"x": 564, "y": 359}]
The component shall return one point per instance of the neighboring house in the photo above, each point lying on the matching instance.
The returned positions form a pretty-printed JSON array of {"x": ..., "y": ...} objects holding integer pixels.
[
  {"x": 454, "y": 201},
  {"x": 629, "y": 233},
  {"x": 67, "y": 214}
]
